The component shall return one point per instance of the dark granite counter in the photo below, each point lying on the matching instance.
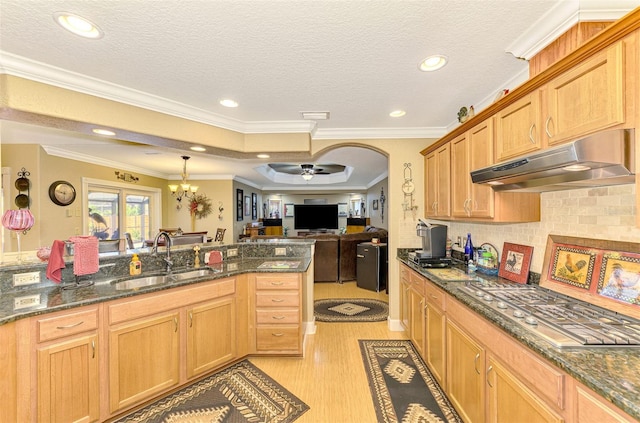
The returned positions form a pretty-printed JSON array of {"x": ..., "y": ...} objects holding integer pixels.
[
  {"x": 250, "y": 258},
  {"x": 613, "y": 372}
]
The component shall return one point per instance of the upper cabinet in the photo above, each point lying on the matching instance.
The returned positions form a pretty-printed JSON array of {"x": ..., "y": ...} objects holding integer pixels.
[
  {"x": 587, "y": 98},
  {"x": 438, "y": 183},
  {"x": 518, "y": 128}
]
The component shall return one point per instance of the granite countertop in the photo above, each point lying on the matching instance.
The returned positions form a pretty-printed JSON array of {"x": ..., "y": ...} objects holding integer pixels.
[
  {"x": 613, "y": 372},
  {"x": 55, "y": 298}
]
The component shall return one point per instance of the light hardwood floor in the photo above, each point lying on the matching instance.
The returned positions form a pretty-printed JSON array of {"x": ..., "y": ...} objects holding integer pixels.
[{"x": 330, "y": 378}]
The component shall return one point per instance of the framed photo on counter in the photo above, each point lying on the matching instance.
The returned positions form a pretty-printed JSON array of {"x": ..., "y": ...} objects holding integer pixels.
[{"x": 515, "y": 262}]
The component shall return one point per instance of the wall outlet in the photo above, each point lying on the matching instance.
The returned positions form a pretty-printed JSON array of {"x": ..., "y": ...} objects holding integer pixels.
[
  {"x": 26, "y": 301},
  {"x": 281, "y": 251},
  {"x": 232, "y": 266},
  {"x": 232, "y": 252},
  {"x": 20, "y": 279}
]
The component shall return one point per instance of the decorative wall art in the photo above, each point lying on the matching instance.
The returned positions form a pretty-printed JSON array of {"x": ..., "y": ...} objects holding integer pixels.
[
  {"x": 247, "y": 205},
  {"x": 274, "y": 208},
  {"x": 343, "y": 210},
  {"x": 515, "y": 262},
  {"x": 374, "y": 205},
  {"x": 288, "y": 210},
  {"x": 254, "y": 206},
  {"x": 239, "y": 205}
]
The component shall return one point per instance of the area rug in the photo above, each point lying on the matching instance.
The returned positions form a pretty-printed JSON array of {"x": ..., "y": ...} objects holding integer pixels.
[
  {"x": 350, "y": 310},
  {"x": 402, "y": 387},
  {"x": 238, "y": 394}
]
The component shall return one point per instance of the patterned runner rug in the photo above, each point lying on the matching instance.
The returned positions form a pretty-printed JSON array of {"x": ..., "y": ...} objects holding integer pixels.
[
  {"x": 350, "y": 310},
  {"x": 241, "y": 393},
  {"x": 402, "y": 387}
]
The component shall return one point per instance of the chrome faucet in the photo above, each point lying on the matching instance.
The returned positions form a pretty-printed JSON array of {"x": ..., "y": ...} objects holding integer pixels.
[{"x": 168, "y": 242}]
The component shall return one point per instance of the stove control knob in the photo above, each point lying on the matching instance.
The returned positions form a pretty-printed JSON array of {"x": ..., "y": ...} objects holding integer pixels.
[
  {"x": 488, "y": 298},
  {"x": 479, "y": 293},
  {"x": 518, "y": 313},
  {"x": 501, "y": 304},
  {"x": 530, "y": 320}
]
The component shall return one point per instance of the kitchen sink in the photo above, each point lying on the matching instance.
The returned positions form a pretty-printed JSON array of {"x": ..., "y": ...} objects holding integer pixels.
[
  {"x": 141, "y": 282},
  {"x": 176, "y": 277}
]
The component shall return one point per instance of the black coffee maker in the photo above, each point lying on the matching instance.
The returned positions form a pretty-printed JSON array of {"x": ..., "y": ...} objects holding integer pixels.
[{"x": 434, "y": 245}]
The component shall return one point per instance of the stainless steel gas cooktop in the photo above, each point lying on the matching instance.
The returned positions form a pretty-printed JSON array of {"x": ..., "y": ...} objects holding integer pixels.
[{"x": 559, "y": 319}]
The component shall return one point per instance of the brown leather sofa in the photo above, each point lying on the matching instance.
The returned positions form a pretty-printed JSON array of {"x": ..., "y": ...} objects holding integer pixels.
[{"x": 335, "y": 255}]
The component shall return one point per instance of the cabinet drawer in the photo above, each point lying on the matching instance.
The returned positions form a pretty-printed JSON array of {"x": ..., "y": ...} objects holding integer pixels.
[
  {"x": 278, "y": 338},
  {"x": 278, "y": 316},
  {"x": 277, "y": 282},
  {"x": 278, "y": 299},
  {"x": 67, "y": 324},
  {"x": 434, "y": 295}
]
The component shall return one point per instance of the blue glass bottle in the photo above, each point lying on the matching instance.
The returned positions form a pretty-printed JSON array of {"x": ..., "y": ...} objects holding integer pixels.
[{"x": 468, "y": 249}]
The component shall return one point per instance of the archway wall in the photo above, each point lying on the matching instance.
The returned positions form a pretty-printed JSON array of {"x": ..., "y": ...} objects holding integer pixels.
[{"x": 401, "y": 226}]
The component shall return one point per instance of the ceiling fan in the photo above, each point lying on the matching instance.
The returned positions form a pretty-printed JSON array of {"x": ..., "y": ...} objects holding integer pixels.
[{"x": 307, "y": 170}]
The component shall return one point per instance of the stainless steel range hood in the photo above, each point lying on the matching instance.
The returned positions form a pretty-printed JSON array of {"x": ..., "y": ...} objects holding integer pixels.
[{"x": 605, "y": 158}]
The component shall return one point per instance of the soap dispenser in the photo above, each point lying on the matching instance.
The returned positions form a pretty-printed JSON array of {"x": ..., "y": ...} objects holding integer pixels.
[{"x": 135, "y": 267}]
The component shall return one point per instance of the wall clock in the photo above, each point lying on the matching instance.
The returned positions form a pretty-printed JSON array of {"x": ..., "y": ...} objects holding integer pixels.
[{"x": 62, "y": 193}]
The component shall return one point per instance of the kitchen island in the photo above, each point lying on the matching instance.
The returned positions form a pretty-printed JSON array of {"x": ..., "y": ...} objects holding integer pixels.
[{"x": 609, "y": 372}]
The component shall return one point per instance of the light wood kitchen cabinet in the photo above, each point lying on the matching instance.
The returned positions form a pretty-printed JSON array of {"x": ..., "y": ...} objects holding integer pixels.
[
  {"x": 211, "y": 335},
  {"x": 435, "y": 331},
  {"x": 405, "y": 287},
  {"x": 465, "y": 374},
  {"x": 144, "y": 359},
  {"x": 416, "y": 313},
  {"x": 472, "y": 150},
  {"x": 586, "y": 98},
  {"x": 591, "y": 408},
  {"x": 438, "y": 183},
  {"x": 508, "y": 400},
  {"x": 278, "y": 313},
  {"x": 518, "y": 128},
  {"x": 8, "y": 373},
  {"x": 67, "y": 357}
]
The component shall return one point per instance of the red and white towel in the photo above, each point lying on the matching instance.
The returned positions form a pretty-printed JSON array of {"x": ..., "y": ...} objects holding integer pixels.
[
  {"x": 56, "y": 261},
  {"x": 85, "y": 255}
]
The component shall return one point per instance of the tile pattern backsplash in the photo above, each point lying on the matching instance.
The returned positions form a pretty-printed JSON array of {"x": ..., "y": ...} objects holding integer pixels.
[{"x": 602, "y": 213}]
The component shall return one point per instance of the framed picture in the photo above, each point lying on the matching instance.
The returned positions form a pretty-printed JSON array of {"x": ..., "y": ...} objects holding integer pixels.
[
  {"x": 374, "y": 205},
  {"x": 274, "y": 208},
  {"x": 572, "y": 265},
  {"x": 515, "y": 262},
  {"x": 288, "y": 210},
  {"x": 247, "y": 205},
  {"x": 342, "y": 210},
  {"x": 239, "y": 205},
  {"x": 620, "y": 277},
  {"x": 219, "y": 234},
  {"x": 254, "y": 206}
]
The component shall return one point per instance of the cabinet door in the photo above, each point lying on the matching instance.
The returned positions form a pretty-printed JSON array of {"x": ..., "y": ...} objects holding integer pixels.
[
  {"x": 68, "y": 382},
  {"x": 460, "y": 178},
  {"x": 518, "y": 128},
  {"x": 592, "y": 408},
  {"x": 465, "y": 374},
  {"x": 443, "y": 205},
  {"x": 480, "y": 156},
  {"x": 587, "y": 98},
  {"x": 405, "y": 287},
  {"x": 434, "y": 341},
  {"x": 511, "y": 401},
  {"x": 416, "y": 327},
  {"x": 211, "y": 335},
  {"x": 431, "y": 185},
  {"x": 143, "y": 359}
]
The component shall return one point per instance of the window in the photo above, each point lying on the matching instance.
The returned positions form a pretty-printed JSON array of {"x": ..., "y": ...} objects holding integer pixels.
[{"x": 115, "y": 208}]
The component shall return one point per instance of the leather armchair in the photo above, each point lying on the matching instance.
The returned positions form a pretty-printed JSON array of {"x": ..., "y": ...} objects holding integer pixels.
[
  {"x": 326, "y": 257},
  {"x": 349, "y": 250}
]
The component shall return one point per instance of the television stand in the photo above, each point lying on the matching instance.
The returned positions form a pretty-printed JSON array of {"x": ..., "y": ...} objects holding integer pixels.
[{"x": 315, "y": 232}]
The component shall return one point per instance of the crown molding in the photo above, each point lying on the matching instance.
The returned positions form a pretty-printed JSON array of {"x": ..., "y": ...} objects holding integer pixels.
[
  {"x": 561, "y": 18},
  {"x": 379, "y": 133}
]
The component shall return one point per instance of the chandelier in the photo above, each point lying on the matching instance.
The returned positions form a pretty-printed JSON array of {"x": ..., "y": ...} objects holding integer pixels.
[{"x": 185, "y": 189}]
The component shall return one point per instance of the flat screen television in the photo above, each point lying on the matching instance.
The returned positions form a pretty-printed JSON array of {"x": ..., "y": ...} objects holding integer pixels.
[{"x": 315, "y": 216}]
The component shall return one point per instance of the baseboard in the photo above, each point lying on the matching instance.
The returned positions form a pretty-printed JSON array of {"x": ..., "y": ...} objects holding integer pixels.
[
  {"x": 395, "y": 325},
  {"x": 309, "y": 328}
]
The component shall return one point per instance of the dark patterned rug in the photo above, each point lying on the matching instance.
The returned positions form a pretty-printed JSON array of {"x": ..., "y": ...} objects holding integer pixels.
[
  {"x": 350, "y": 310},
  {"x": 238, "y": 394},
  {"x": 402, "y": 387}
]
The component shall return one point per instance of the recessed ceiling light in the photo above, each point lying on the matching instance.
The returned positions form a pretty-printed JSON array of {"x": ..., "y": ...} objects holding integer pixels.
[
  {"x": 315, "y": 115},
  {"x": 228, "y": 103},
  {"x": 263, "y": 156},
  {"x": 432, "y": 63},
  {"x": 397, "y": 113},
  {"x": 78, "y": 25},
  {"x": 197, "y": 148},
  {"x": 105, "y": 132}
]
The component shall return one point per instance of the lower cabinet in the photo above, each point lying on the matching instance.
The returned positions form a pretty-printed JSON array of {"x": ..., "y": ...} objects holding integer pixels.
[
  {"x": 211, "y": 335},
  {"x": 435, "y": 332},
  {"x": 67, "y": 363},
  {"x": 465, "y": 374},
  {"x": 144, "y": 359}
]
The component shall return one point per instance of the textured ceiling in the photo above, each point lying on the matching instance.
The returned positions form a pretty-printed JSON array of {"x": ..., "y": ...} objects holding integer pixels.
[{"x": 356, "y": 59}]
